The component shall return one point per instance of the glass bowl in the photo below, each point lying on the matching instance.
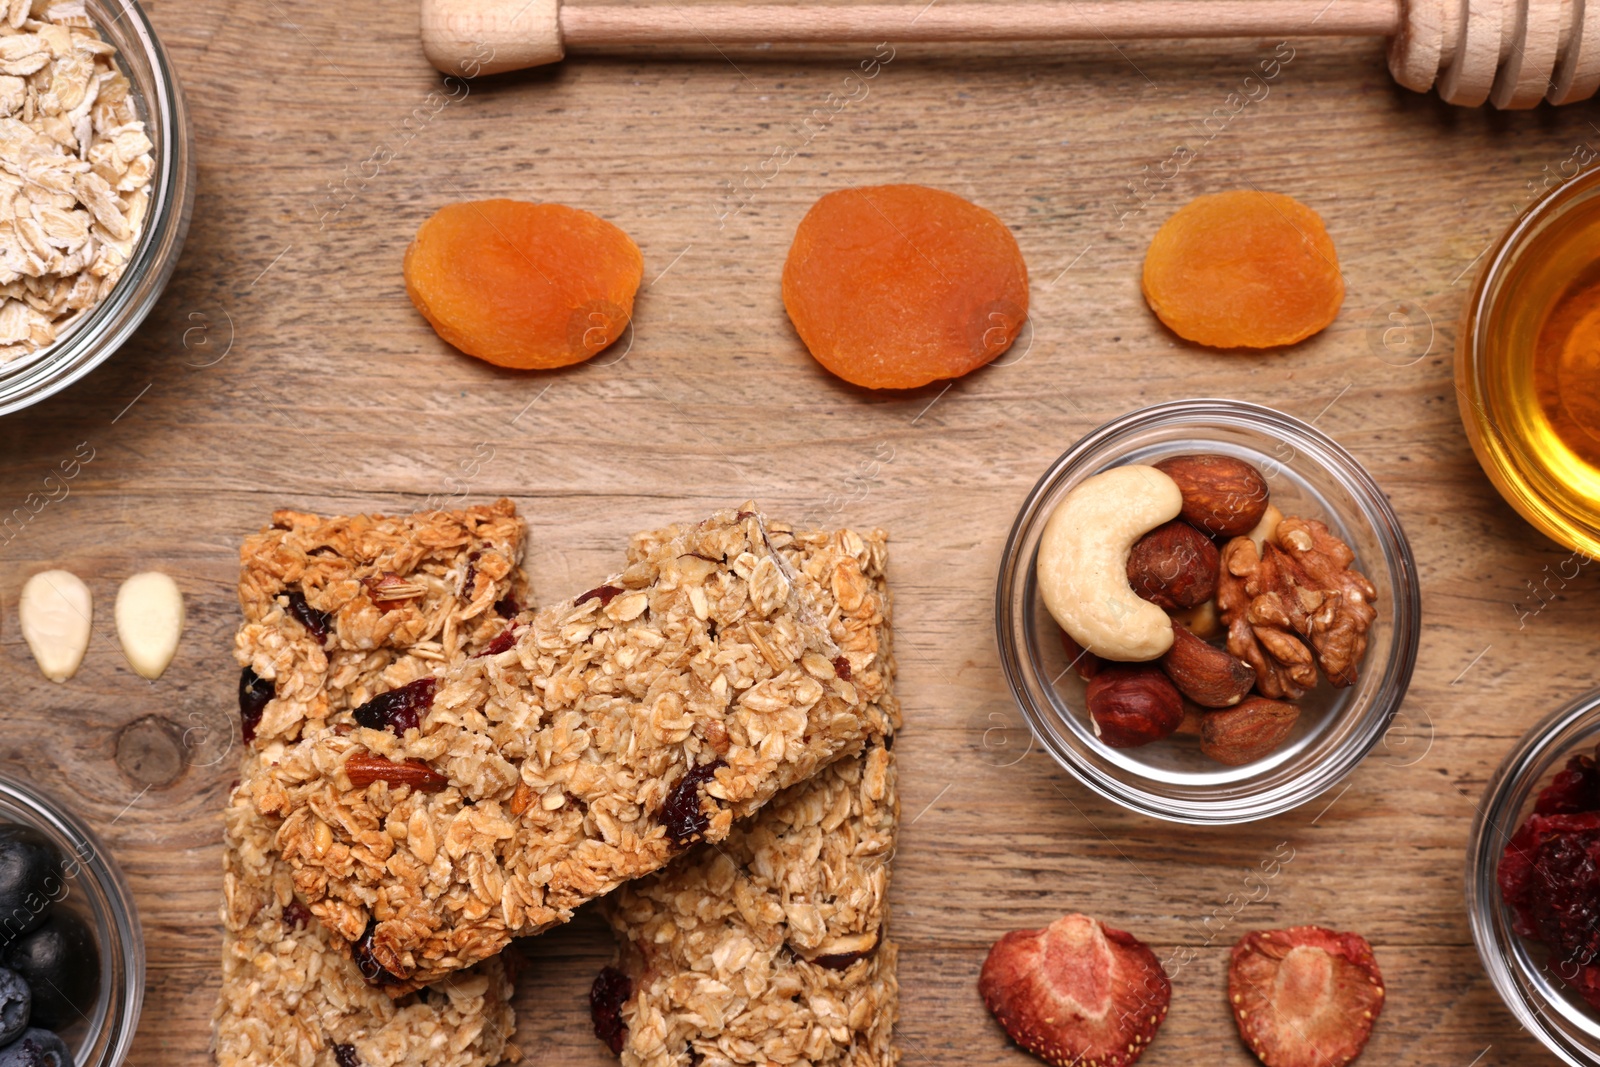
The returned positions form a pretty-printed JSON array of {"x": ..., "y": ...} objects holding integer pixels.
[
  {"x": 1518, "y": 967},
  {"x": 95, "y": 893},
  {"x": 1309, "y": 476},
  {"x": 92, "y": 337},
  {"x": 1548, "y": 250}
]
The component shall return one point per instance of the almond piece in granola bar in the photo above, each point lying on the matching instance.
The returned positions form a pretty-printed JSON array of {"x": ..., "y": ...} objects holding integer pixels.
[{"x": 713, "y": 648}]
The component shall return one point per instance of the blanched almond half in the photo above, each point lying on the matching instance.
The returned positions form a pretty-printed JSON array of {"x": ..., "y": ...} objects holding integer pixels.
[
  {"x": 149, "y": 621},
  {"x": 55, "y": 612}
]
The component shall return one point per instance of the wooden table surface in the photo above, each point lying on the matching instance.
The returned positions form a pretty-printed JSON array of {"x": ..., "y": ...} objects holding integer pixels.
[{"x": 285, "y": 368}]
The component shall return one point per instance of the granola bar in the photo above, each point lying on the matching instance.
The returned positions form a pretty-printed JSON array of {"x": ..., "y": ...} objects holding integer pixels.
[
  {"x": 292, "y": 996},
  {"x": 769, "y": 948},
  {"x": 622, "y": 726}
]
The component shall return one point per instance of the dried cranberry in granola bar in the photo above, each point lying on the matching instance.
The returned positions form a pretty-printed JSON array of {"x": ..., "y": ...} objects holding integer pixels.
[
  {"x": 560, "y": 754},
  {"x": 291, "y": 994},
  {"x": 771, "y": 947}
]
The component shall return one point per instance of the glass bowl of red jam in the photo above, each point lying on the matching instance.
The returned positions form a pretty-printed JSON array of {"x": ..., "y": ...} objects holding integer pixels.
[{"x": 1533, "y": 881}]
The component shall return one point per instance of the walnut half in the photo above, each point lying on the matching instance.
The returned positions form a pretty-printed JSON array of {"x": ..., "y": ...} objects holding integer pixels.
[{"x": 1298, "y": 589}]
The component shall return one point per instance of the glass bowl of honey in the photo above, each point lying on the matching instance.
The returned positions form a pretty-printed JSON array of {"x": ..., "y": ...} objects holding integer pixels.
[{"x": 1528, "y": 365}]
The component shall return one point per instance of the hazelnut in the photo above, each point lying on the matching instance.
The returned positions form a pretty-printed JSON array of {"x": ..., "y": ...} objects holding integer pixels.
[
  {"x": 1133, "y": 705},
  {"x": 1174, "y": 566},
  {"x": 1085, "y": 663},
  {"x": 1222, "y": 496}
]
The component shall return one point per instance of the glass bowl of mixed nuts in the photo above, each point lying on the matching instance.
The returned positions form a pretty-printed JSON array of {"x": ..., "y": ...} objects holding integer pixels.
[
  {"x": 1208, "y": 611},
  {"x": 98, "y": 178},
  {"x": 72, "y": 962},
  {"x": 1533, "y": 880}
]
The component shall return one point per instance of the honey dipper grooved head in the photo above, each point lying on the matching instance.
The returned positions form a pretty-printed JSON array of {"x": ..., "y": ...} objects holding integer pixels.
[{"x": 1512, "y": 53}]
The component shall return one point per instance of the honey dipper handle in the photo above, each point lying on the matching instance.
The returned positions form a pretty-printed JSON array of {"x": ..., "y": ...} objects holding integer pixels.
[{"x": 488, "y": 36}]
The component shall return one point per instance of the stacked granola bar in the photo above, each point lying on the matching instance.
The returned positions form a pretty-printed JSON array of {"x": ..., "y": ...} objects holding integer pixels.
[
  {"x": 549, "y": 758},
  {"x": 771, "y": 948},
  {"x": 319, "y": 640}
]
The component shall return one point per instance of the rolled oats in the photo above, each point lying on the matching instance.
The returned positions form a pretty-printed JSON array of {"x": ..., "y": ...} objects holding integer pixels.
[
  {"x": 75, "y": 171},
  {"x": 771, "y": 947},
  {"x": 620, "y": 726},
  {"x": 292, "y": 996}
]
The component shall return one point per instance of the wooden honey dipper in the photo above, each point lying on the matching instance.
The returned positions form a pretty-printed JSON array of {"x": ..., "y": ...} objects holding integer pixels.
[{"x": 1512, "y": 52}]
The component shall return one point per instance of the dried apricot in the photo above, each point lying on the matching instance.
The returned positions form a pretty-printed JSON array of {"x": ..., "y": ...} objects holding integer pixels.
[
  {"x": 896, "y": 286},
  {"x": 1243, "y": 269},
  {"x": 523, "y": 285}
]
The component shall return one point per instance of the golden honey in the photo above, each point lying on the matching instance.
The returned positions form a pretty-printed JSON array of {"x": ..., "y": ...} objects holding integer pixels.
[{"x": 1528, "y": 366}]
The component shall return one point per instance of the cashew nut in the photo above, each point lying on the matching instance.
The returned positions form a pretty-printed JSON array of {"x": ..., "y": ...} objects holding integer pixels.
[{"x": 1082, "y": 566}]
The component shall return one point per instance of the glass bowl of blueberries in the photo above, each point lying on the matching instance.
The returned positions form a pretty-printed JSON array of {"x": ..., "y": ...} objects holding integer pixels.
[{"x": 71, "y": 951}]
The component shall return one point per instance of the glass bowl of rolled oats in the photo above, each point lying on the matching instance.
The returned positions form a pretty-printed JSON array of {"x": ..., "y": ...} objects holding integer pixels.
[{"x": 96, "y": 183}]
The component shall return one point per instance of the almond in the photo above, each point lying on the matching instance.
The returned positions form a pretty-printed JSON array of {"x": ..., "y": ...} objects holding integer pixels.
[
  {"x": 149, "y": 616},
  {"x": 55, "y": 611},
  {"x": 1247, "y": 731},
  {"x": 1223, "y": 496},
  {"x": 363, "y": 770},
  {"x": 1174, "y": 566},
  {"x": 1207, "y": 675}
]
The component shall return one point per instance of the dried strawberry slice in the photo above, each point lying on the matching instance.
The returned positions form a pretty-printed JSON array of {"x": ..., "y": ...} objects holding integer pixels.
[
  {"x": 1305, "y": 996},
  {"x": 1076, "y": 992}
]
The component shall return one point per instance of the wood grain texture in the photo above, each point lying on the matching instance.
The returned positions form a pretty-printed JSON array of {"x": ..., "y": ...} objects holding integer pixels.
[{"x": 285, "y": 367}]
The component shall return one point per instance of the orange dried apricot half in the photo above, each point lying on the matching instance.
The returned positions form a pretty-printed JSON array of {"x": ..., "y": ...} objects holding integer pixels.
[
  {"x": 530, "y": 286},
  {"x": 896, "y": 286},
  {"x": 1243, "y": 269}
]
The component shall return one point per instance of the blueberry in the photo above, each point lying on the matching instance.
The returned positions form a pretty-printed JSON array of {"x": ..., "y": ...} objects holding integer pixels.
[
  {"x": 36, "y": 1048},
  {"x": 60, "y": 964},
  {"x": 30, "y": 879},
  {"x": 16, "y": 1002}
]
